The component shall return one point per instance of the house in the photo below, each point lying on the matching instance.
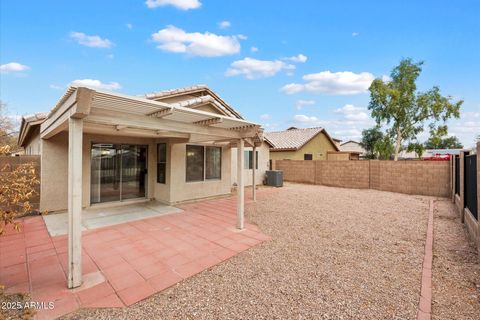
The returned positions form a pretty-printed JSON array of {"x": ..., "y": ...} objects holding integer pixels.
[
  {"x": 354, "y": 146},
  {"x": 99, "y": 147},
  {"x": 343, "y": 155},
  {"x": 300, "y": 144}
]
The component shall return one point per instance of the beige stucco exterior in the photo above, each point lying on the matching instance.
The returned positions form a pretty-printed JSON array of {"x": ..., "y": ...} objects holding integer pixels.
[
  {"x": 263, "y": 165},
  {"x": 54, "y": 159},
  {"x": 318, "y": 146}
]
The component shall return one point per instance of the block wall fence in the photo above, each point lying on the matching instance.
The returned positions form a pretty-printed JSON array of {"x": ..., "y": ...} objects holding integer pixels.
[{"x": 430, "y": 178}]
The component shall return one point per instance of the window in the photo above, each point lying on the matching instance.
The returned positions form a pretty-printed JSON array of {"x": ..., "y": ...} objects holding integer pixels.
[
  {"x": 249, "y": 160},
  {"x": 307, "y": 156},
  {"x": 213, "y": 162},
  {"x": 195, "y": 163},
  {"x": 161, "y": 162},
  {"x": 203, "y": 163}
]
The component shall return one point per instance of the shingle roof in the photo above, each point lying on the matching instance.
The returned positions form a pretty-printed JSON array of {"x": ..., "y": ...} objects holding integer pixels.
[{"x": 291, "y": 139}]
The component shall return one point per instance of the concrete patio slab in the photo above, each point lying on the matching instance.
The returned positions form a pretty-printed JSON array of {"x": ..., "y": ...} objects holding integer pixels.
[
  {"x": 97, "y": 217},
  {"x": 123, "y": 263}
]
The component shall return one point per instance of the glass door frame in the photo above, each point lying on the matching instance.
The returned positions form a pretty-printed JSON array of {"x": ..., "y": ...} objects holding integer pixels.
[{"x": 146, "y": 186}]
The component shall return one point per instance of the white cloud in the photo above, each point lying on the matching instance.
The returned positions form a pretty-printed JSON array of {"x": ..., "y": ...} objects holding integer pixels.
[
  {"x": 302, "y": 103},
  {"x": 91, "y": 41},
  {"x": 242, "y": 37},
  {"x": 265, "y": 116},
  {"x": 352, "y": 113},
  {"x": 332, "y": 83},
  {"x": 179, "y": 4},
  {"x": 129, "y": 26},
  {"x": 253, "y": 49},
  {"x": 300, "y": 58},
  {"x": 252, "y": 68},
  {"x": 173, "y": 39},
  {"x": 355, "y": 34},
  {"x": 97, "y": 84},
  {"x": 386, "y": 79},
  {"x": 306, "y": 119},
  {"x": 56, "y": 87},
  {"x": 224, "y": 24},
  {"x": 13, "y": 67}
]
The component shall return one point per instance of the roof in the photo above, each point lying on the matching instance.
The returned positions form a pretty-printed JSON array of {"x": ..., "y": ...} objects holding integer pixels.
[
  {"x": 201, "y": 91},
  {"x": 28, "y": 122},
  {"x": 349, "y": 141},
  {"x": 293, "y": 139}
]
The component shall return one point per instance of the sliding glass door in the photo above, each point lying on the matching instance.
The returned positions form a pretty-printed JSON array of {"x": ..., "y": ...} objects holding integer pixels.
[{"x": 118, "y": 172}]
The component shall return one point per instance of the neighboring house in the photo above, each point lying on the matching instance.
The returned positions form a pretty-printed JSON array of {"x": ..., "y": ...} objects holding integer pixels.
[
  {"x": 354, "y": 146},
  {"x": 338, "y": 142},
  {"x": 99, "y": 147},
  {"x": 300, "y": 144}
]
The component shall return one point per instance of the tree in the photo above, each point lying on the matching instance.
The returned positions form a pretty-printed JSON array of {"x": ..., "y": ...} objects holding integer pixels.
[
  {"x": 384, "y": 148},
  {"x": 443, "y": 143},
  {"x": 369, "y": 138},
  {"x": 397, "y": 104},
  {"x": 17, "y": 183},
  {"x": 8, "y": 137}
]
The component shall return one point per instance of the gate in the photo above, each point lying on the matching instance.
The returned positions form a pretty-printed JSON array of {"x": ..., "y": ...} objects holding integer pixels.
[
  {"x": 471, "y": 184},
  {"x": 457, "y": 175}
]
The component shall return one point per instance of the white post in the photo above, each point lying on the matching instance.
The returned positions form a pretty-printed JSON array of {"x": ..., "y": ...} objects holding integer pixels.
[
  {"x": 75, "y": 135},
  {"x": 240, "y": 185},
  {"x": 254, "y": 164}
]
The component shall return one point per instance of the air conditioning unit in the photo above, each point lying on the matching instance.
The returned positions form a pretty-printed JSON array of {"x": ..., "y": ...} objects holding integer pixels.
[{"x": 274, "y": 178}]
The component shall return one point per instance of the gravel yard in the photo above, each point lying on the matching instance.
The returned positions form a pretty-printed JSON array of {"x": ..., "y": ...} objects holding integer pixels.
[
  {"x": 456, "y": 268},
  {"x": 334, "y": 254}
]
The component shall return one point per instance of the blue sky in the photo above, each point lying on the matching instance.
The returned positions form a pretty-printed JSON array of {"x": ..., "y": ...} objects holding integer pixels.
[{"x": 279, "y": 63}]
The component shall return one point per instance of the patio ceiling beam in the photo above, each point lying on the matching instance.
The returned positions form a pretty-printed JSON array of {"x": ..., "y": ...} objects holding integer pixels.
[
  {"x": 162, "y": 113},
  {"x": 105, "y": 117},
  {"x": 209, "y": 122},
  {"x": 75, "y": 104}
]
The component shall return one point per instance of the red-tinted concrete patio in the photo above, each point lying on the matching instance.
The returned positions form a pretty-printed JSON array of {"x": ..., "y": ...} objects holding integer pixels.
[{"x": 132, "y": 260}]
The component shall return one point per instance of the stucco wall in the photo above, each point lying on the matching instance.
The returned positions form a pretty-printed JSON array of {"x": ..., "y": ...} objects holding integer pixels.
[
  {"x": 54, "y": 173},
  {"x": 33, "y": 142},
  {"x": 263, "y": 164},
  {"x": 318, "y": 147},
  {"x": 181, "y": 190}
]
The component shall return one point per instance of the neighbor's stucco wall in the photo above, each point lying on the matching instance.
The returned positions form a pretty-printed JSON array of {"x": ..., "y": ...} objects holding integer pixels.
[
  {"x": 263, "y": 165},
  {"x": 318, "y": 147},
  {"x": 352, "y": 146},
  {"x": 54, "y": 173}
]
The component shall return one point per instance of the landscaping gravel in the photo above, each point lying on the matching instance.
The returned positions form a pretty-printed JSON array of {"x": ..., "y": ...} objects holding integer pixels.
[
  {"x": 456, "y": 268},
  {"x": 334, "y": 254}
]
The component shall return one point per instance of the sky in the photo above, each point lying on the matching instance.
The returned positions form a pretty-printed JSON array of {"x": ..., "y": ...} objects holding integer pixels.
[{"x": 279, "y": 63}]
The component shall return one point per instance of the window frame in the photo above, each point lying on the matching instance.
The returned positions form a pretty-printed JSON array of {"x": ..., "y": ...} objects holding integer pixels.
[
  {"x": 248, "y": 154},
  {"x": 309, "y": 155},
  {"x": 164, "y": 163},
  {"x": 204, "y": 178}
]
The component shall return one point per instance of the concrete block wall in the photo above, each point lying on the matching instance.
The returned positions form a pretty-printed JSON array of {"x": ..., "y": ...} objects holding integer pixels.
[
  {"x": 410, "y": 177},
  {"x": 8, "y": 164}
]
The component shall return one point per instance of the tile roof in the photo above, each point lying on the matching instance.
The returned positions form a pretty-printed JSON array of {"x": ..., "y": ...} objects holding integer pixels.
[{"x": 292, "y": 138}]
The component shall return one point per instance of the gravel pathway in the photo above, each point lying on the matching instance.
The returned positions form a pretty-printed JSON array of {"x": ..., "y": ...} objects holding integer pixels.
[
  {"x": 456, "y": 268},
  {"x": 335, "y": 254}
]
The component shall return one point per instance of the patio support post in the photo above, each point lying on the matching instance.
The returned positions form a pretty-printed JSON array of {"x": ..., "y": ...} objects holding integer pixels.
[
  {"x": 240, "y": 184},
  {"x": 75, "y": 135},
  {"x": 254, "y": 164}
]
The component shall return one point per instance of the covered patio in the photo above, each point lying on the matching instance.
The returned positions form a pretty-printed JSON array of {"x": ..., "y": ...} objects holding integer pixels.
[
  {"x": 124, "y": 263},
  {"x": 93, "y": 116}
]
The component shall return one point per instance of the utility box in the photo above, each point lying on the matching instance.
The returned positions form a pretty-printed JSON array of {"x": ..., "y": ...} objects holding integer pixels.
[{"x": 274, "y": 178}]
